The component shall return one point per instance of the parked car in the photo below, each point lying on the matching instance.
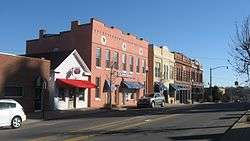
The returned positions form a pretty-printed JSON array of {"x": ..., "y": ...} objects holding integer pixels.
[
  {"x": 152, "y": 100},
  {"x": 11, "y": 113}
]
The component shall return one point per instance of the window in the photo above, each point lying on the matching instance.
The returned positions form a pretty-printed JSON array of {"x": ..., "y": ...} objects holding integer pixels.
[
  {"x": 107, "y": 58},
  {"x": 171, "y": 72},
  {"x": 116, "y": 60},
  {"x": 138, "y": 65},
  {"x": 97, "y": 89},
  {"x": 124, "y": 60},
  {"x": 165, "y": 75},
  {"x": 7, "y": 105},
  {"x": 131, "y": 66},
  {"x": 193, "y": 75},
  {"x": 143, "y": 65},
  {"x": 129, "y": 96},
  {"x": 82, "y": 94},
  {"x": 13, "y": 91},
  {"x": 98, "y": 57},
  {"x": 157, "y": 69},
  {"x": 61, "y": 94}
]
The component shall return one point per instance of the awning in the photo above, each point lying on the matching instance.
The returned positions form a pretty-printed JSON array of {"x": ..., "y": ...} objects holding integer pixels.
[
  {"x": 131, "y": 85},
  {"x": 106, "y": 87},
  {"x": 178, "y": 87},
  {"x": 75, "y": 83}
]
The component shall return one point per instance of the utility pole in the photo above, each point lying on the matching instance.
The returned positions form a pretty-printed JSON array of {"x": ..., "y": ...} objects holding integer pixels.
[
  {"x": 110, "y": 82},
  {"x": 210, "y": 85}
]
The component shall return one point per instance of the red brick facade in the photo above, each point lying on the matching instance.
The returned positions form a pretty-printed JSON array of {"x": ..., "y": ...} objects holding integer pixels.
[
  {"x": 19, "y": 74},
  {"x": 189, "y": 74},
  {"x": 86, "y": 38}
]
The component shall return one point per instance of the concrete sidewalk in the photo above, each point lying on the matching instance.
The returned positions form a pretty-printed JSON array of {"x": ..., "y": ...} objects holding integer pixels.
[{"x": 240, "y": 131}]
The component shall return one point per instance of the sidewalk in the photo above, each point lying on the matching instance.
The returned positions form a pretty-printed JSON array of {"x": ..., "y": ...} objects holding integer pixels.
[{"x": 240, "y": 130}]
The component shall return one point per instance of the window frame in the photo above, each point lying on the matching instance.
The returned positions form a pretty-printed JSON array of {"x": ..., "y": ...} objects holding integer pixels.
[
  {"x": 11, "y": 96},
  {"x": 98, "y": 57},
  {"x": 107, "y": 58}
]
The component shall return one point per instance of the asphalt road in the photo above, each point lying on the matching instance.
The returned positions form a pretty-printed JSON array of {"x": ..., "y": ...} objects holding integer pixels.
[{"x": 189, "y": 122}]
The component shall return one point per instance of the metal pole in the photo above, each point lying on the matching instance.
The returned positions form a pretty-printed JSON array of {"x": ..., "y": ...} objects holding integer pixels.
[
  {"x": 210, "y": 85},
  {"x": 110, "y": 89},
  {"x": 146, "y": 88}
]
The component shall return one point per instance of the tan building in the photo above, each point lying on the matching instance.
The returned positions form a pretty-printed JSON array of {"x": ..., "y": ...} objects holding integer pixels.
[{"x": 161, "y": 71}]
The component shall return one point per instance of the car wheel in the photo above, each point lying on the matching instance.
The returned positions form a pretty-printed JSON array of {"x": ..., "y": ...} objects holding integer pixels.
[
  {"x": 163, "y": 104},
  {"x": 16, "y": 122},
  {"x": 153, "y": 104}
]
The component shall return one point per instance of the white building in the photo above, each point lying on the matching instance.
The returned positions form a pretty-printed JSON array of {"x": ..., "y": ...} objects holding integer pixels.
[{"x": 69, "y": 83}]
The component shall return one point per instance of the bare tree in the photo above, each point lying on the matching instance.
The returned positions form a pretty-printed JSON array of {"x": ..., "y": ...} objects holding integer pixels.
[{"x": 240, "y": 48}]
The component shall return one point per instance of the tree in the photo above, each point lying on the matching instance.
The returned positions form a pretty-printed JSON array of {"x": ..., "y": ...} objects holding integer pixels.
[
  {"x": 217, "y": 93},
  {"x": 240, "y": 48}
]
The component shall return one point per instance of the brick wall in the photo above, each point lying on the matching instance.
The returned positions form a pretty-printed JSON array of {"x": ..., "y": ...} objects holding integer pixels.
[{"x": 22, "y": 72}]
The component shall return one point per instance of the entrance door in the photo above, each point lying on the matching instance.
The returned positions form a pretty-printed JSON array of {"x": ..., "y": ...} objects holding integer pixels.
[
  {"x": 72, "y": 98},
  {"x": 38, "y": 99}
]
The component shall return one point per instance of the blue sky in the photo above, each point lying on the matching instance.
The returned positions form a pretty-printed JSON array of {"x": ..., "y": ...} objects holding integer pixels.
[{"x": 199, "y": 28}]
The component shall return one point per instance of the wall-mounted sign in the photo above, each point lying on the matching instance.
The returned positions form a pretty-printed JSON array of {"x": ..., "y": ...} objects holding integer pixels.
[
  {"x": 77, "y": 70},
  {"x": 124, "y": 74},
  {"x": 103, "y": 40}
]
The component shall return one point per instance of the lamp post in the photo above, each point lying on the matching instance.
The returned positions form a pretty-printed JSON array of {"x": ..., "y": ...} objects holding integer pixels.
[
  {"x": 210, "y": 84},
  {"x": 146, "y": 85},
  {"x": 192, "y": 83}
]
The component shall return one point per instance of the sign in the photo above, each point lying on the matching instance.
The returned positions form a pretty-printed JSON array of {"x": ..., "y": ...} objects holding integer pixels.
[
  {"x": 123, "y": 74},
  {"x": 77, "y": 70}
]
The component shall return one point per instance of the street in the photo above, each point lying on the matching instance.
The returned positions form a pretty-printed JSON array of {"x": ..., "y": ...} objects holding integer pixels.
[{"x": 186, "y": 122}]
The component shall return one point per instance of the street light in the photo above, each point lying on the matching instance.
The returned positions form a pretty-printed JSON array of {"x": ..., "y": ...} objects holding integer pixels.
[{"x": 210, "y": 84}]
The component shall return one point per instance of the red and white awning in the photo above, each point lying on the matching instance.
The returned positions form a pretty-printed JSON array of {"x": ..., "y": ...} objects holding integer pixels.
[{"x": 75, "y": 83}]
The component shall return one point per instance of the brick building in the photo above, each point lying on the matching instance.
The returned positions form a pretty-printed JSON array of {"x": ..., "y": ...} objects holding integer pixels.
[
  {"x": 182, "y": 82},
  {"x": 188, "y": 85},
  {"x": 100, "y": 47},
  {"x": 197, "y": 80},
  {"x": 25, "y": 79},
  {"x": 161, "y": 71}
]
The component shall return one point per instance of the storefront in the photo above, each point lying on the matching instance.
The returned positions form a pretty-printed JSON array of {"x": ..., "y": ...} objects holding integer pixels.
[
  {"x": 72, "y": 94},
  {"x": 181, "y": 93},
  {"x": 125, "y": 94}
]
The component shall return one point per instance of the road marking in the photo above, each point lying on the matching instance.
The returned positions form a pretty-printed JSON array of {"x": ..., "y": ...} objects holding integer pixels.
[
  {"x": 80, "y": 138},
  {"x": 145, "y": 122},
  {"x": 110, "y": 124}
]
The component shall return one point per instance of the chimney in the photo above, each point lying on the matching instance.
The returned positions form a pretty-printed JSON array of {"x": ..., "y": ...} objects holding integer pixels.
[
  {"x": 41, "y": 33},
  {"x": 74, "y": 24}
]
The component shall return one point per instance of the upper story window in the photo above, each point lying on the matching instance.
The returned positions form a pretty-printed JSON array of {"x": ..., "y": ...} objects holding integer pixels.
[
  {"x": 107, "y": 58},
  {"x": 131, "y": 64},
  {"x": 171, "y": 72},
  {"x": 98, "y": 57},
  {"x": 13, "y": 91},
  {"x": 124, "y": 62},
  {"x": 143, "y": 65},
  {"x": 116, "y": 60},
  {"x": 157, "y": 69},
  {"x": 166, "y": 72},
  {"x": 138, "y": 65}
]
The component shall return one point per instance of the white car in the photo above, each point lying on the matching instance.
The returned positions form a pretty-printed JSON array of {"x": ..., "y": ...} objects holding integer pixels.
[{"x": 11, "y": 113}]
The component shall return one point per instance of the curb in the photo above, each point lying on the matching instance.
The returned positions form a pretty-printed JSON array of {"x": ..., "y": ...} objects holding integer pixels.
[{"x": 229, "y": 134}]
